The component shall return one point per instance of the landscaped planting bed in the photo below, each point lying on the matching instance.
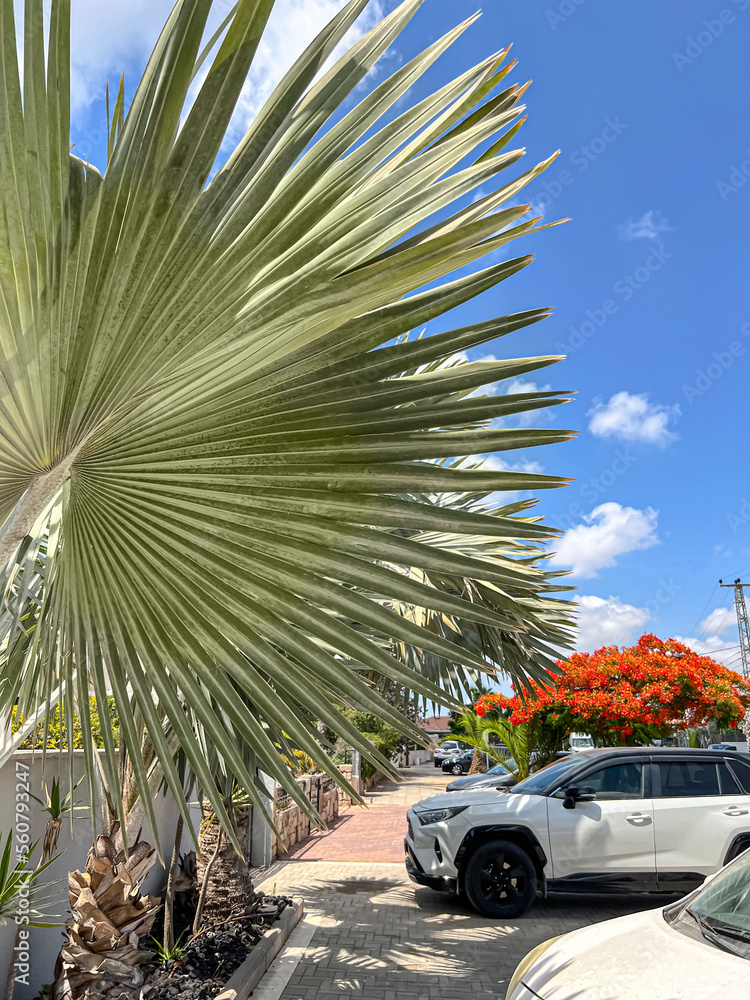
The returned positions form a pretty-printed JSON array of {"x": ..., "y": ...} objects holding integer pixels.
[{"x": 213, "y": 955}]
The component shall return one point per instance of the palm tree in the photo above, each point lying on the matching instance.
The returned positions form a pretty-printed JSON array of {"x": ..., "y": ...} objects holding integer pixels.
[
  {"x": 211, "y": 472},
  {"x": 530, "y": 744}
]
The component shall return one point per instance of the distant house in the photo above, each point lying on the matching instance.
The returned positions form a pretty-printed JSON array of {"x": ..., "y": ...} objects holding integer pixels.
[{"x": 436, "y": 726}]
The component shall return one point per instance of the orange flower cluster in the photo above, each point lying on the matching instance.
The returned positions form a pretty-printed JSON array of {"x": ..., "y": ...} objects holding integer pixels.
[{"x": 658, "y": 684}]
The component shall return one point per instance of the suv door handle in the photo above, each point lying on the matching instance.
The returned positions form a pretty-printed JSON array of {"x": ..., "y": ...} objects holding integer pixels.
[
  {"x": 638, "y": 818},
  {"x": 735, "y": 811}
]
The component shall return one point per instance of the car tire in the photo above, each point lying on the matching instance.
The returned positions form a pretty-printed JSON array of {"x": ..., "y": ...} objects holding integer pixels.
[
  {"x": 457, "y": 769},
  {"x": 438, "y": 763},
  {"x": 500, "y": 880}
]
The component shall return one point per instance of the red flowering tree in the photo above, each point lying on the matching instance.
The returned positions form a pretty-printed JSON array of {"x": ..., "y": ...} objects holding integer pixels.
[{"x": 631, "y": 695}]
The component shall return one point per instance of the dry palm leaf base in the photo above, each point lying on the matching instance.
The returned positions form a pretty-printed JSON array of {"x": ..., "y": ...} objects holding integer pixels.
[{"x": 102, "y": 956}]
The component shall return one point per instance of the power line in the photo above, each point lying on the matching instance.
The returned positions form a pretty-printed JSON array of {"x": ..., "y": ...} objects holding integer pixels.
[
  {"x": 722, "y": 624},
  {"x": 705, "y": 606}
]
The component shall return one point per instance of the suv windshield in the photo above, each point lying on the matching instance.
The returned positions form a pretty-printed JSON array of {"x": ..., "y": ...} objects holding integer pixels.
[
  {"x": 549, "y": 775},
  {"x": 720, "y": 912}
]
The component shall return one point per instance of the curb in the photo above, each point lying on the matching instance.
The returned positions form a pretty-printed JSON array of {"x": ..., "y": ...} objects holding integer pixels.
[{"x": 252, "y": 970}]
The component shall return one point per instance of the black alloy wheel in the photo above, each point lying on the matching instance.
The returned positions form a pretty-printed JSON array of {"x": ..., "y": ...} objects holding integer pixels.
[{"x": 500, "y": 880}]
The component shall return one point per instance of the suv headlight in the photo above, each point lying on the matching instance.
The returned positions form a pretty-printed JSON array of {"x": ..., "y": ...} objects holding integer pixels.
[
  {"x": 526, "y": 963},
  {"x": 439, "y": 815}
]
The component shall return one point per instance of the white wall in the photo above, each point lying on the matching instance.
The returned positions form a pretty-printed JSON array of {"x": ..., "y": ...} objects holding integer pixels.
[{"x": 74, "y": 844}]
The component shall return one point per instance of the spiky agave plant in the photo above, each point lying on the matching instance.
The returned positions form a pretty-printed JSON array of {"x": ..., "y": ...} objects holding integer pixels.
[{"x": 199, "y": 420}]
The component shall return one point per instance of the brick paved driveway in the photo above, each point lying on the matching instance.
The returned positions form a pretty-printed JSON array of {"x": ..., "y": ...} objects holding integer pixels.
[
  {"x": 375, "y": 833},
  {"x": 372, "y": 933}
]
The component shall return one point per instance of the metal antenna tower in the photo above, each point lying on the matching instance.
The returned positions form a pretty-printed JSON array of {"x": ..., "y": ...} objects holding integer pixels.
[{"x": 742, "y": 622}]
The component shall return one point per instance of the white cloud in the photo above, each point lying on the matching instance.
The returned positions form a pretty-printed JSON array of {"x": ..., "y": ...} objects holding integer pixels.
[
  {"x": 107, "y": 39},
  {"x": 715, "y": 647},
  {"x": 524, "y": 385},
  {"x": 649, "y": 227},
  {"x": 607, "y": 622},
  {"x": 110, "y": 38},
  {"x": 718, "y": 621},
  {"x": 609, "y": 531},
  {"x": 529, "y": 417},
  {"x": 497, "y": 464},
  {"x": 492, "y": 388},
  {"x": 517, "y": 385},
  {"x": 631, "y": 417},
  {"x": 291, "y": 27}
]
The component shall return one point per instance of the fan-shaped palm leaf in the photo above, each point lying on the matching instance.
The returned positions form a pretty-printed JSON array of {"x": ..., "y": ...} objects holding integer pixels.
[{"x": 197, "y": 406}]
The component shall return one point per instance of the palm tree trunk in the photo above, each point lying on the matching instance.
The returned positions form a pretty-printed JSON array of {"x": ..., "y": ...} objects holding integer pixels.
[
  {"x": 478, "y": 765},
  {"x": 171, "y": 877},
  {"x": 109, "y": 918},
  {"x": 39, "y": 494},
  {"x": 204, "y": 883}
]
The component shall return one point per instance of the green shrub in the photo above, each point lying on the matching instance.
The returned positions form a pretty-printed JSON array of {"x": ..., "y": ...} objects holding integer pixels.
[
  {"x": 57, "y": 729},
  {"x": 385, "y": 738},
  {"x": 386, "y": 741}
]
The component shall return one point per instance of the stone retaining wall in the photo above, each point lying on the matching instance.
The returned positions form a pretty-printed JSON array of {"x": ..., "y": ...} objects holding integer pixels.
[{"x": 292, "y": 823}]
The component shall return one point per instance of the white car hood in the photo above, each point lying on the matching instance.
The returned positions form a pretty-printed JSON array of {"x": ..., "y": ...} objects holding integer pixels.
[
  {"x": 469, "y": 797},
  {"x": 638, "y": 957}
]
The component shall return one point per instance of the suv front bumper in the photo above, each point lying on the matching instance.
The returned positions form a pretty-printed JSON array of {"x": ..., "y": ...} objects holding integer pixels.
[
  {"x": 440, "y": 883},
  {"x": 430, "y": 851}
]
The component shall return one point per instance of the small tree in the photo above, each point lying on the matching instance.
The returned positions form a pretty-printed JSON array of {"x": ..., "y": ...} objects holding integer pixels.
[
  {"x": 527, "y": 743},
  {"x": 632, "y": 695}
]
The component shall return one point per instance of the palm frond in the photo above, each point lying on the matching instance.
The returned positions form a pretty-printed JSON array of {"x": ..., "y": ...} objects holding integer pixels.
[{"x": 203, "y": 417}]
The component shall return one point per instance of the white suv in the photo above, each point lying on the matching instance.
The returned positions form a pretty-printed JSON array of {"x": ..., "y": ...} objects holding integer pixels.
[{"x": 642, "y": 820}]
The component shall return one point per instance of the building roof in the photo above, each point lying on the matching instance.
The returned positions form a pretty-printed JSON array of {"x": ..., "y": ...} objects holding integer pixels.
[{"x": 435, "y": 724}]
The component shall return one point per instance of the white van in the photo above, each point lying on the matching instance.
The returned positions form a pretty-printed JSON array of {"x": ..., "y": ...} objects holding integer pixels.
[{"x": 580, "y": 741}]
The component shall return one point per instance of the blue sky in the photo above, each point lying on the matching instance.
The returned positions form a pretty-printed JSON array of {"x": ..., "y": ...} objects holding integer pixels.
[{"x": 648, "y": 104}]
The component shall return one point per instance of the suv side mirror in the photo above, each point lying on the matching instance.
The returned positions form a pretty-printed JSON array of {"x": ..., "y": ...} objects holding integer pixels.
[{"x": 578, "y": 793}]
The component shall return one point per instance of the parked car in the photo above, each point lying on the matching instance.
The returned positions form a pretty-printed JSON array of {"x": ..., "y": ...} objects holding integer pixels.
[
  {"x": 737, "y": 747},
  {"x": 628, "y": 819},
  {"x": 460, "y": 763},
  {"x": 501, "y": 775},
  {"x": 450, "y": 748},
  {"x": 697, "y": 947}
]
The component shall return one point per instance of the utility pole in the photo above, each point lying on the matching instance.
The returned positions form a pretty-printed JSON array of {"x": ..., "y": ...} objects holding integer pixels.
[{"x": 742, "y": 622}]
